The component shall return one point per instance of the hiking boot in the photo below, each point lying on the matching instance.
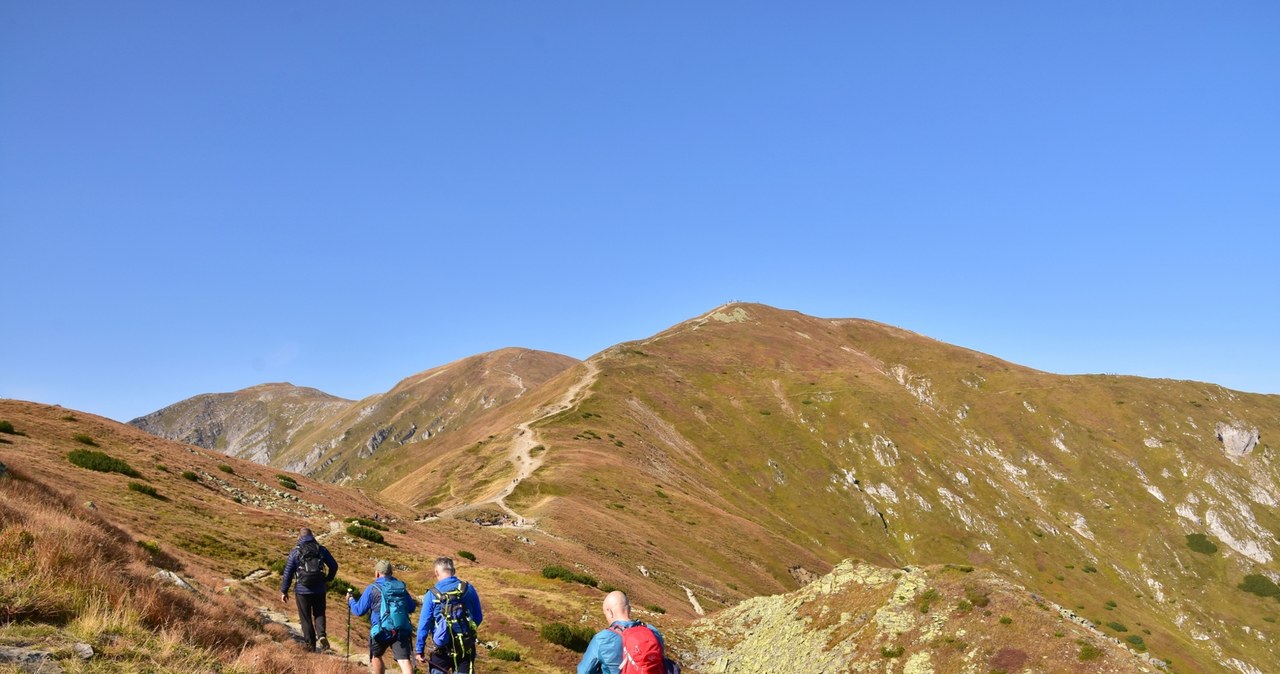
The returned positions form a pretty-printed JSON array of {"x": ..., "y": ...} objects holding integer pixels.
[{"x": 323, "y": 644}]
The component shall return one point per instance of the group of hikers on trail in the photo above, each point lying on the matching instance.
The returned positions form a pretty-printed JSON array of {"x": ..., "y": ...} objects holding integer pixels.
[{"x": 451, "y": 613}]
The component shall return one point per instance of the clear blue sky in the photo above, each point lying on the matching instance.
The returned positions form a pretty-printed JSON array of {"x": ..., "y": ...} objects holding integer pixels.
[{"x": 204, "y": 196}]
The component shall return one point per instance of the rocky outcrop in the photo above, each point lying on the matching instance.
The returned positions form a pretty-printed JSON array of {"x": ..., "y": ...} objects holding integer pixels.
[{"x": 1237, "y": 441}]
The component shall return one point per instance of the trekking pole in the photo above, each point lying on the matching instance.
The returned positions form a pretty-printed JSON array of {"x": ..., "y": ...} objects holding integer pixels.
[{"x": 348, "y": 628}]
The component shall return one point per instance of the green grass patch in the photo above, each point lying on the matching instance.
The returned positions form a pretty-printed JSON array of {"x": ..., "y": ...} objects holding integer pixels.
[
  {"x": 1119, "y": 627},
  {"x": 365, "y": 533},
  {"x": 561, "y": 573},
  {"x": 466, "y": 554},
  {"x": 92, "y": 460},
  {"x": 1088, "y": 652},
  {"x": 84, "y": 439},
  {"x": 976, "y": 597},
  {"x": 1201, "y": 544},
  {"x": 926, "y": 600},
  {"x": 1006, "y": 620},
  {"x": 226, "y": 469},
  {"x": 1136, "y": 641},
  {"x": 573, "y": 638},
  {"x": 277, "y": 565}
]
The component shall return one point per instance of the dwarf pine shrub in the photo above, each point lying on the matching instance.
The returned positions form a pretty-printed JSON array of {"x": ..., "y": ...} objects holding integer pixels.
[
  {"x": 365, "y": 533},
  {"x": 1201, "y": 544},
  {"x": 188, "y": 475},
  {"x": 226, "y": 469},
  {"x": 92, "y": 460},
  {"x": 564, "y": 574},
  {"x": 573, "y": 638},
  {"x": 1259, "y": 585},
  {"x": 84, "y": 439},
  {"x": 366, "y": 522},
  {"x": 467, "y": 555},
  {"x": 143, "y": 489}
]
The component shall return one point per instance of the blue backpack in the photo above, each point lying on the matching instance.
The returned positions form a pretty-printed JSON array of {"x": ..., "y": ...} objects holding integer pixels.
[{"x": 393, "y": 613}]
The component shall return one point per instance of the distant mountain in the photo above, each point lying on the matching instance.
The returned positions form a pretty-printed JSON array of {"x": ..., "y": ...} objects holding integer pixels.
[
  {"x": 308, "y": 431},
  {"x": 255, "y": 423}
]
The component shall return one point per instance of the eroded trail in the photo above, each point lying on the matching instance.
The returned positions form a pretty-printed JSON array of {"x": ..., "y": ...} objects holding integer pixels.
[{"x": 525, "y": 439}]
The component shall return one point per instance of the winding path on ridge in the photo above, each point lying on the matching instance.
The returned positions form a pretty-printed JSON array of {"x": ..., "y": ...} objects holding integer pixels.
[{"x": 524, "y": 440}]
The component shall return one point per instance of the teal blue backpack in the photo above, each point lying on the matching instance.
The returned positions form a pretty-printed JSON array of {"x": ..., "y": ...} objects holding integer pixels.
[{"x": 393, "y": 613}]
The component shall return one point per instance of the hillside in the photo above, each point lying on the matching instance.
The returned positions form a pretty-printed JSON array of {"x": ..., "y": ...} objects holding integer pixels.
[
  {"x": 98, "y": 576},
  {"x": 744, "y": 451},
  {"x": 313, "y": 433}
]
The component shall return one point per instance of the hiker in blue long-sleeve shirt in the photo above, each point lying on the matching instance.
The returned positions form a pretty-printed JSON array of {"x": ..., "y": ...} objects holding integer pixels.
[
  {"x": 453, "y": 636},
  {"x": 370, "y": 602},
  {"x": 605, "y": 653}
]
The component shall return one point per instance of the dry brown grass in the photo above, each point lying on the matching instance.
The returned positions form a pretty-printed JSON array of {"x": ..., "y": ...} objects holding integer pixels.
[{"x": 272, "y": 659}]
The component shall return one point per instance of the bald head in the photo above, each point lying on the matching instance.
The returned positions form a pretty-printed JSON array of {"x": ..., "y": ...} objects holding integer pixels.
[{"x": 616, "y": 606}]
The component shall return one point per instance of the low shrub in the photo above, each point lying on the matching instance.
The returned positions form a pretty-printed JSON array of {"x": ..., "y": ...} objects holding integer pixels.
[
  {"x": 505, "y": 654},
  {"x": 339, "y": 587},
  {"x": 151, "y": 547},
  {"x": 226, "y": 469},
  {"x": 277, "y": 565},
  {"x": 1090, "y": 569},
  {"x": 467, "y": 555},
  {"x": 1006, "y": 620},
  {"x": 1119, "y": 627},
  {"x": 1088, "y": 652},
  {"x": 162, "y": 468},
  {"x": 365, "y": 533},
  {"x": 1259, "y": 585},
  {"x": 569, "y": 576},
  {"x": 573, "y": 638},
  {"x": 7, "y": 427},
  {"x": 926, "y": 600},
  {"x": 1136, "y": 641},
  {"x": 286, "y": 482},
  {"x": 143, "y": 489},
  {"x": 895, "y": 652},
  {"x": 655, "y": 608},
  {"x": 1201, "y": 544},
  {"x": 976, "y": 597},
  {"x": 87, "y": 458},
  {"x": 188, "y": 475},
  {"x": 84, "y": 439},
  {"x": 366, "y": 522}
]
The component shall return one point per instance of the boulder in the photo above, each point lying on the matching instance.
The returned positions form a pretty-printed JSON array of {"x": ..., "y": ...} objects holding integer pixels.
[{"x": 1237, "y": 441}]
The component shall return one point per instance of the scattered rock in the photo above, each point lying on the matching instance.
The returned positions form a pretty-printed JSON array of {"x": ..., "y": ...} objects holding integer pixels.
[
  {"x": 90, "y": 505},
  {"x": 644, "y": 571},
  {"x": 1237, "y": 441},
  {"x": 29, "y": 660},
  {"x": 83, "y": 651},
  {"x": 257, "y": 575},
  {"x": 175, "y": 579}
]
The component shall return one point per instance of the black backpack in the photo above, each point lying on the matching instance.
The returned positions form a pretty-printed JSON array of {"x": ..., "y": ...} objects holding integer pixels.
[{"x": 310, "y": 564}]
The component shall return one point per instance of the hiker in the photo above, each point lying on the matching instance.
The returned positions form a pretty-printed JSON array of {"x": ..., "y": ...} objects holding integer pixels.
[
  {"x": 308, "y": 561},
  {"x": 639, "y": 645},
  {"x": 450, "y": 614},
  {"x": 389, "y": 604}
]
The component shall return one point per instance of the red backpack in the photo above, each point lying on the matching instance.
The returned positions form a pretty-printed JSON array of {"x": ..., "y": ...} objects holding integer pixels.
[{"x": 641, "y": 650}]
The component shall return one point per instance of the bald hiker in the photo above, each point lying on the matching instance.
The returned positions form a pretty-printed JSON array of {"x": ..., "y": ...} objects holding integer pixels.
[
  {"x": 388, "y": 603},
  {"x": 627, "y": 646},
  {"x": 307, "y": 562}
]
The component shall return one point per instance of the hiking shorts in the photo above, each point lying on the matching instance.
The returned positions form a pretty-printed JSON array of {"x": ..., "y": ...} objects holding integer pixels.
[{"x": 401, "y": 648}]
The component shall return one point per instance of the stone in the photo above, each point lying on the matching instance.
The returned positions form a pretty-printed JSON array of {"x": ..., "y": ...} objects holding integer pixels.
[
  {"x": 1237, "y": 441},
  {"x": 83, "y": 651}
]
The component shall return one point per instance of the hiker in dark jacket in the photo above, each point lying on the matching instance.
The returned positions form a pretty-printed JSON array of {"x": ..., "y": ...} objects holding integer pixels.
[
  {"x": 308, "y": 561},
  {"x": 445, "y": 656},
  {"x": 370, "y": 602}
]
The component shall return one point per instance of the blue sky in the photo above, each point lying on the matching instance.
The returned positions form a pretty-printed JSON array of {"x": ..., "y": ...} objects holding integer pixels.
[{"x": 200, "y": 197}]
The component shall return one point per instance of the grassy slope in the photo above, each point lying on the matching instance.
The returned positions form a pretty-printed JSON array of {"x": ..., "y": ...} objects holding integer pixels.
[
  {"x": 213, "y": 541},
  {"x": 722, "y": 454}
]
